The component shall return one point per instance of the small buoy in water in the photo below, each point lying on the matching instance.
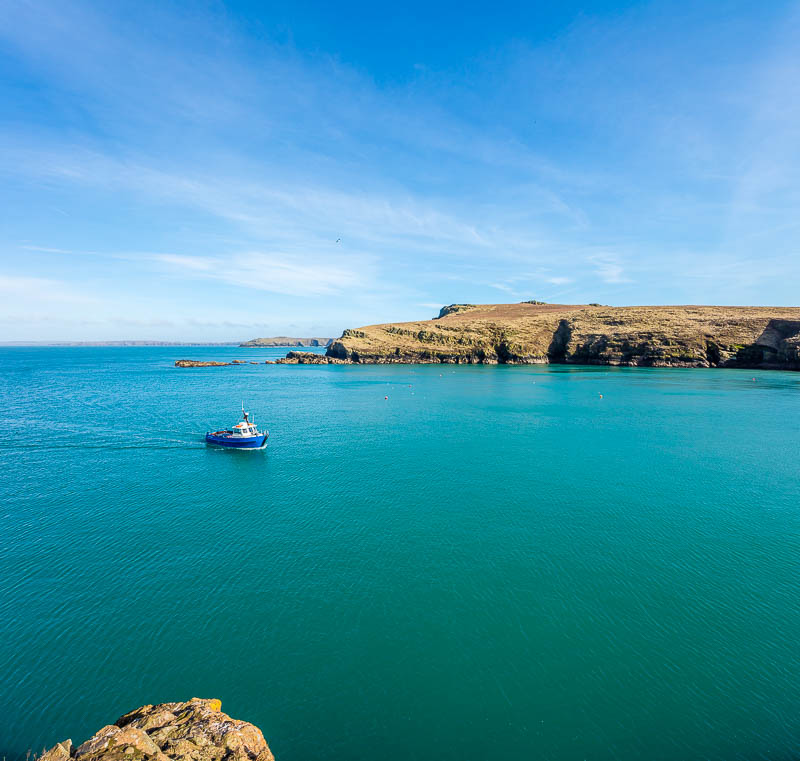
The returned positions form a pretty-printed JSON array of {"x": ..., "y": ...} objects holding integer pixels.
[
  {"x": 385, "y": 397},
  {"x": 601, "y": 396},
  {"x": 753, "y": 378}
]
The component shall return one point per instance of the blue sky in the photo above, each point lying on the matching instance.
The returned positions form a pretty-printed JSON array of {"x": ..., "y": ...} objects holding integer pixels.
[{"x": 183, "y": 171}]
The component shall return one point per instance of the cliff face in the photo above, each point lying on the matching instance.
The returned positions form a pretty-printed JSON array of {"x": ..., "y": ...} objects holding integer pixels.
[
  {"x": 193, "y": 731},
  {"x": 529, "y": 333}
]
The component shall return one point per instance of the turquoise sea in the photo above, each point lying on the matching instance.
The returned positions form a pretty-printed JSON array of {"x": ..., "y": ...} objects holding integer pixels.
[{"x": 494, "y": 562}]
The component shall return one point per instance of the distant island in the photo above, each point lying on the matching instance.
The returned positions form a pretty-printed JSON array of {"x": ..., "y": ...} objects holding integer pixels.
[
  {"x": 116, "y": 343},
  {"x": 260, "y": 343},
  {"x": 538, "y": 333}
]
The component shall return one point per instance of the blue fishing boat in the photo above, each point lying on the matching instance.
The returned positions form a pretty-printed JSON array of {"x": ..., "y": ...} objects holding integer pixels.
[{"x": 243, "y": 435}]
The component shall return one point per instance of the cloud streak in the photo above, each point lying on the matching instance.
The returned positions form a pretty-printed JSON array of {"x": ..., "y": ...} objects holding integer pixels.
[{"x": 273, "y": 273}]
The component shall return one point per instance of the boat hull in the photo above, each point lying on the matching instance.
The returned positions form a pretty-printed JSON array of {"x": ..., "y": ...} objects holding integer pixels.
[{"x": 238, "y": 442}]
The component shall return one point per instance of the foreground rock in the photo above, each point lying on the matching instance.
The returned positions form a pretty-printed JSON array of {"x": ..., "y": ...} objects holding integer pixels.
[
  {"x": 193, "y": 731},
  {"x": 198, "y": 363},
  {"x": 311, "y": 358},
  {"x": 535, "y": 333},
  {"x": 285, "y": 341}
]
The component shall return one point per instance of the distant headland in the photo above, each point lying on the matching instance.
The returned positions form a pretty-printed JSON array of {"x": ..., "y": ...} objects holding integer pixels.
[
  {"x": 260, "y": 343},
  {"x": 534, "y": 333},
  {"x": 45, "y": 344},
  {"x": 538, "y": 333}
]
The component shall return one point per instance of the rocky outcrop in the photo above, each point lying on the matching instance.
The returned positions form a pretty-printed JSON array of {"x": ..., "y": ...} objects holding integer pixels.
[
  {"x": 292, "y": 358},
  {"x": 311, "y": 358},
  {"x": 535, "y": 333},
  {"x": 193, "y": 731},
  {"x": 197, "y": 363},
  {"x": 258, "y": 343},
  {"x": 454, "y": 309}
]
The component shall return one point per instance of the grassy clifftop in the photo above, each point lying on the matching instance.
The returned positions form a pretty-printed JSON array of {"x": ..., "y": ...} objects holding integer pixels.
[{"x": 530, "y": 333}]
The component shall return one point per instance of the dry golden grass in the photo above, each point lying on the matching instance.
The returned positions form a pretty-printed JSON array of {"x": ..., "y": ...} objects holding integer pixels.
[{"x": 529, "y": 333}]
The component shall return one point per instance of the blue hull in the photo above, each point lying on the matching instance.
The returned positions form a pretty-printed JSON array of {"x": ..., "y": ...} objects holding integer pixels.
[{"x": 252, "y": 442}]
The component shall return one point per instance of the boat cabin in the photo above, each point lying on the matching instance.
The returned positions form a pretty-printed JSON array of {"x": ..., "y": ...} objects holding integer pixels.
[{"x": 245, "y": 429}]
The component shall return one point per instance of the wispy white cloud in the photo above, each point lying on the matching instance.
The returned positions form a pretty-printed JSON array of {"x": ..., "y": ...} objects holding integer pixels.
[
  {"x": 609, "y": 269},
  {"x": 505, "y": 288},
  {"x": 37, "y": 291},
  {"x": 47, "y": 249},
  {"x": 273, "y": 273},
  {"x": 300, "y": 215}
]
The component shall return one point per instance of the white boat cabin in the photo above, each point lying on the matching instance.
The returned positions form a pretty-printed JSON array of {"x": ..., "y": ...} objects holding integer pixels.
[{"x": 245, "y": 428}]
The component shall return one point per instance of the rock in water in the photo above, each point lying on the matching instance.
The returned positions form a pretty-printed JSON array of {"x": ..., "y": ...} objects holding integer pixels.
[
  {"x": 193, "y": 731},
  {"x": 200, "y": 363},
  {"x": 310, "y": 358}
]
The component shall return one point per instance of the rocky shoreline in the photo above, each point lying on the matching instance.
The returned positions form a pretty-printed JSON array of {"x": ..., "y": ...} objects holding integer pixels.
[
  {"x": 196, "y": 730},
  {"x": 533, "y": 333},
  {"x": 311, "y": 358},
  {"x": 199, "y": 363},
  {"x": 292, "y": 358}
]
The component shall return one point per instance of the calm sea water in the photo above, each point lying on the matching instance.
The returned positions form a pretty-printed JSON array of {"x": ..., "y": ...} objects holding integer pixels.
[{"x": 492, "y": 562}]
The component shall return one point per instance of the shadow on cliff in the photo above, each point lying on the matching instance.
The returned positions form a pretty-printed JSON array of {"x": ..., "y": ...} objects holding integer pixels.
[
  {"x": 557, "y": 351},
  {"x": 777, "y": 346}
]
